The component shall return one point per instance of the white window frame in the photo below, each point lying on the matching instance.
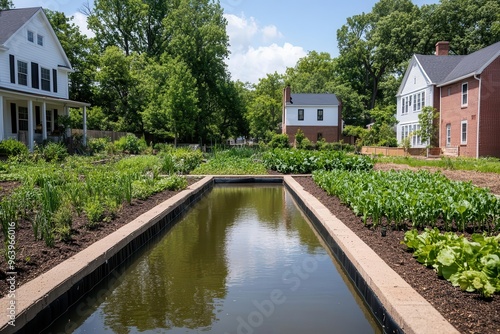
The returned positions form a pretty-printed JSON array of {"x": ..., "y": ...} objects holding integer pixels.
[
  {"x": 39, "y": 39},
  {"x": 22, "y": 118},
  {"x": 463, "y": 134},
  {"x": 30, "y": 36},
  {"x": 465, "y": 95},
  {"x": 448, "y": 135},
  {"x": 24, "y": 75},
  {"x": 45, "y": 80}
]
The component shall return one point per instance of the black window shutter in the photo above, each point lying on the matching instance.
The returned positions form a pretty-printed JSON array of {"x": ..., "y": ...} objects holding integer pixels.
[
  {"x": 13, "y": 117},
  {"x": 12, "y": 69},
  {"x": 54, "y": 80},
  {"x": 35, "y": 81},
  {"x": 37, "y": 116},
  {"x": 55, "y": 118}
]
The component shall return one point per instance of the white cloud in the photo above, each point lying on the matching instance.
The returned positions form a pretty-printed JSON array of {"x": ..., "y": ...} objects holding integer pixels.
[
  {"x": 81, "y": 21},
  {"x": 256, "y": 51},
  {"x": 271, "y": 33}
]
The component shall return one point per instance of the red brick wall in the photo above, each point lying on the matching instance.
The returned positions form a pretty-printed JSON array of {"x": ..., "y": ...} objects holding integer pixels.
[
  {"x": 453, "y": 113},
  {"x": 330, "y": 133},
  {"x": 489, "y": 132}
]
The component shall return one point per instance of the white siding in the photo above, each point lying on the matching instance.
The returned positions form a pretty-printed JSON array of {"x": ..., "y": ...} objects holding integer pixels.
[
  {"x": 330, "y": 116},
  {"x": 48, "y": 56},
  {"x": 416, "y": 83}
]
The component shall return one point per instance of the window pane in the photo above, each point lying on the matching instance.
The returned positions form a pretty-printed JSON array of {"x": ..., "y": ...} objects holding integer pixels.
[
  {"x": 23, "y": 118},
  {"x": 31, "y": 37},
  {"x": 39, "y": 40},
  {"x": 45, "y": 79},
  {"x": 22, "y": 73},
  {"x": 464, "y": 132},
  {"x": 320, "y": 114},
  {"x": 301, "y": 114},
  {"x": 464, "y": 93}
]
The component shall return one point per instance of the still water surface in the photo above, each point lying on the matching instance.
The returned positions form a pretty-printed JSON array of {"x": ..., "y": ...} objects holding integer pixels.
[{"x": 243, "y": 260}]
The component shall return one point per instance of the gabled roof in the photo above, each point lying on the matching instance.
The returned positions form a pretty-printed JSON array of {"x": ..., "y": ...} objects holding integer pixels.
[
  {"x": 314, "y": 100},
  {"x": 13, "y": 19},
  {"x": 437, "y": 68},
  {"x": 474, "y": 63}
]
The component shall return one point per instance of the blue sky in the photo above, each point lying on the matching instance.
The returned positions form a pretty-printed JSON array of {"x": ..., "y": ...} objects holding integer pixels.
[{"x": 265, "y": 35}]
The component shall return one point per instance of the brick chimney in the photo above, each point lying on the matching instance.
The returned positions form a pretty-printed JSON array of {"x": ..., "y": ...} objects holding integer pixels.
[
  {"x": 442, "y": 48},
  {"x": 286, "y": 94}
]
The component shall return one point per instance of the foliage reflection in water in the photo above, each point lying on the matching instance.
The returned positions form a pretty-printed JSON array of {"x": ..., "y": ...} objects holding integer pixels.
[{"x": 243, "y": 260}]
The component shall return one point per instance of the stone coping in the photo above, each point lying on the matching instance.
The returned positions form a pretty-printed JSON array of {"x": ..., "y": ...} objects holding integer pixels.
[{"x": 410, "y": 311}]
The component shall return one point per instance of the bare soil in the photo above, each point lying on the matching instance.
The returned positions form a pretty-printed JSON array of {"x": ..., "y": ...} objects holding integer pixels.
[{"x": 466, "y": 311}]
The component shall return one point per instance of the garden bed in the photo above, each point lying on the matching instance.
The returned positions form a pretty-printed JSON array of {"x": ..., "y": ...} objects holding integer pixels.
[
  {"x": 34, "y": 257},
  {"x": 468, "y": 312}
]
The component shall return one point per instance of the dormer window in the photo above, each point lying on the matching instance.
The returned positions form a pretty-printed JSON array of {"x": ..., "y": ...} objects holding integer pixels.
[
  {"x": 39, "y": 40},
  {"x": 31, "y": 36}
]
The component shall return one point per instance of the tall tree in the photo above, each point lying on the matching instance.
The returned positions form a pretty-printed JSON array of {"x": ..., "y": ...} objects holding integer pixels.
[
  {"x": 117, "y": 23},
  {"x": 6, "y": 4},
  {"x": 82, "y": 53},
  {"x": 117, "y": 85},
  {"x": 468, "y": 25},
  {"x": 376, "y": 45},
  {"x": 314, "y": 73},
  {"x": 172, "y": 109},
  {"x": 195, "y": 31},
  {"x": 265, "y": 110}
]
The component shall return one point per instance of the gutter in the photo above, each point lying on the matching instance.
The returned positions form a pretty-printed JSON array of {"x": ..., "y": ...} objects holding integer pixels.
[{"x": 478, "y": 114}]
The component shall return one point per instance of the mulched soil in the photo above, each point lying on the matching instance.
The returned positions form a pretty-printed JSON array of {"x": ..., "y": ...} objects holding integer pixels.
[{"x": 466, "y": 311}]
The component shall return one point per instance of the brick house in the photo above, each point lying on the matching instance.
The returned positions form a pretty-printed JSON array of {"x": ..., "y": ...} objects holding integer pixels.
[
  {"x": 466, "y": 92},
  {"x": 317, "y": 115},
  {"x": 34, "y": 78}
]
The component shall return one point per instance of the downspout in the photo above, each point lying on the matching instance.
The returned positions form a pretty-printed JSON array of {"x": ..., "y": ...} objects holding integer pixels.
[
  {"x": 440, "y": 117},
  {"x": 478, "y": 114}
]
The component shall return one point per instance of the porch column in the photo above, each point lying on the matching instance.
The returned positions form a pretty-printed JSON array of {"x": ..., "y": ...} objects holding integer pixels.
[
  {"x": 44, "y": 121},
  {"x": 31, "y": 132},
  {"x": 68, "y": 130},
  {"x": 84, "y": 126},
  {"x": 2, "y": 131}
]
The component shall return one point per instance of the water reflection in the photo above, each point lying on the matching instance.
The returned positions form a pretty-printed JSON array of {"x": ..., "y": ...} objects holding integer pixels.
[{"x": 244, "y": 260}]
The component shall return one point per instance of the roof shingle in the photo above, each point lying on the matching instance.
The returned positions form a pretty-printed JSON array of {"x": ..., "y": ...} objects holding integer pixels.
[{"x": 12, "y": 20}]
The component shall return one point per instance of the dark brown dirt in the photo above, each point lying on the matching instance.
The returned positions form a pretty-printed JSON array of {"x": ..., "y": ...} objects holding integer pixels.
[{"x": 468, "y": 312}]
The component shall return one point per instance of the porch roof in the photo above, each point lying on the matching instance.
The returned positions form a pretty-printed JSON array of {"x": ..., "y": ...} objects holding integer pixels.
[{"x": 43, "y": 98}]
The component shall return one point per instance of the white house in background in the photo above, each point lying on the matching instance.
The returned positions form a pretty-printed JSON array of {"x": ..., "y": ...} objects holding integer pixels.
[
  {"x": 317, "y": 115},
  {"x": 33, "y": 77},
  {"x": 418, "y": 89}
]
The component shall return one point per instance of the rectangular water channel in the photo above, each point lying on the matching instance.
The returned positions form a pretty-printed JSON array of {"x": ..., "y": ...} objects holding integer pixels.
[{"x": 243, "y": 260}]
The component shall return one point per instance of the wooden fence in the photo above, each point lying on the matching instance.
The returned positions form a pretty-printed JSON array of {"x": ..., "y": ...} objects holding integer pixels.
[
  {"x": 400, "y": 151},
  {"x": 100, "y": 134}
]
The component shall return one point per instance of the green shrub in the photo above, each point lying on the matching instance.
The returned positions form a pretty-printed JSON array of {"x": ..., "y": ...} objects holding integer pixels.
[
  {"x": 53, "y": 152},
  {"x": 186, "y": 160},
  {"x": 131, "y": 144},
  {"x": 12, "y": 147},
  {"x": 306, "y": 144},
  {"x": 98, "y": 145},
  {"x": 95, "y": 211},
  {"x": 279, "y": 141}
]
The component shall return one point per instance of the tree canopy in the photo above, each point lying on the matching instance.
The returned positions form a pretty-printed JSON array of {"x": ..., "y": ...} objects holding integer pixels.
[{"x": 158, "y": 67}]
